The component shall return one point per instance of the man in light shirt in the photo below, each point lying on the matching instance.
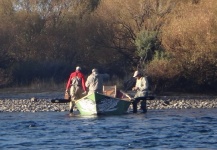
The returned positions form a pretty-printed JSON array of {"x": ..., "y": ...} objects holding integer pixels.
[
  {"x": 141, "y": 89},
  {"x": 94, "y": 82}
]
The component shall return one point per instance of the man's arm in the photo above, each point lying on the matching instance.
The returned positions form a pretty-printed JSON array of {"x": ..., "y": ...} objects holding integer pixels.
[
  {"x": 68, "y": 83},
  {"x": 83, "y": 83},
  {"x": 144, "y": 84},
  {"x": 87, "y": 83}
]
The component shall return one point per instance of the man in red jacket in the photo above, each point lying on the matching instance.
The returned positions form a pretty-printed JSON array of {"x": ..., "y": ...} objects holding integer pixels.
[{"x": 75, "y": 87}]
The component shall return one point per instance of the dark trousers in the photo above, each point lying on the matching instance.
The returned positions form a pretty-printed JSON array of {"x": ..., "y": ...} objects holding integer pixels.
[{"x": 142, "y": 106}]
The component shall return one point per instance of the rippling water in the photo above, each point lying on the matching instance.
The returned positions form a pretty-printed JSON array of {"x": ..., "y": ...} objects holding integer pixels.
[{"x": 157, "y": 129}]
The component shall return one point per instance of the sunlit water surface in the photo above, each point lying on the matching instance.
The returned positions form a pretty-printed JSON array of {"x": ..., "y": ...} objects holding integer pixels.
[{"x": 157, "y": 129}]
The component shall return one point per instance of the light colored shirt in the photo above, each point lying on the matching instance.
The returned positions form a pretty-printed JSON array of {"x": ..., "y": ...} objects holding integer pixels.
[
  {"x": 142, "y": 84},
  {"x": 94, "y": 83}
]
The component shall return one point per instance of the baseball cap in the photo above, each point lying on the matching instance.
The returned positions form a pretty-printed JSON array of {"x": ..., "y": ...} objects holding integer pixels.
[
  {"x": 136, "y": 73},
  {"x": 95, "y": 70},
  {"x": 78, "y": 68}
]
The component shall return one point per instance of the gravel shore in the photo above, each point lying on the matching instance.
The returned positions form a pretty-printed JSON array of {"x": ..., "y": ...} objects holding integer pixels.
[{"x": 160, "y": 102}]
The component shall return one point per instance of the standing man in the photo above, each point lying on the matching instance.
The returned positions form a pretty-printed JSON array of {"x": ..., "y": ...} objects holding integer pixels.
[
  {"x": 141, "y": 89},
  {"x": 75, "y": 87},
  {"x": 94, "y": 82}
]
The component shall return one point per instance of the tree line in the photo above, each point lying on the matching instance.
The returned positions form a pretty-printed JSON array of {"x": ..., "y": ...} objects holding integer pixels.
[{"x": 173, "y": 42}]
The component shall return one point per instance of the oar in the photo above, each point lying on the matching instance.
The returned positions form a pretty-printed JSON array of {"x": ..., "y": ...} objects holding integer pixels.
[
  {"x": 138, "y": 98},
  {"x": 145, "y": 98},
  {"x": 58, "y": 100},
  {"x": 127, "y": 95}
]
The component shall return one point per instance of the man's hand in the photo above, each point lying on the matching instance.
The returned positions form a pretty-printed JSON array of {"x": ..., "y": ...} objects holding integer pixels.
[
  {"x": 84, "y": 93},
  {"x": 67, "y": 96},
  {"x": 135, "y": 88}
]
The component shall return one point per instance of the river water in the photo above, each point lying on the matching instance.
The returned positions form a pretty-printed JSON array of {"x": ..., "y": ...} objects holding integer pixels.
[{"x": 157, "y": 129}]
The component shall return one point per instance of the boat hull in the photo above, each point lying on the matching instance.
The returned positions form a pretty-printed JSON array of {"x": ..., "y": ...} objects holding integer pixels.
[{"x": 99, "y": 104}]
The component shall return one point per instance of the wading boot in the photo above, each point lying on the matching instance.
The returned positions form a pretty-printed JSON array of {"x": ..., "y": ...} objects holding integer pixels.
[{"x": 143, "y": 106}]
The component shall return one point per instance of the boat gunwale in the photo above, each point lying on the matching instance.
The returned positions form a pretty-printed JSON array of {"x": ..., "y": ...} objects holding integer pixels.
[{"x": 103, "y": 95}]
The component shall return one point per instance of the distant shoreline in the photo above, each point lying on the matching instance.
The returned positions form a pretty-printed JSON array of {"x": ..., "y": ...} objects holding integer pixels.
[
  {"x": 161, "y": 102},
  {"x": 22, "y": 100}
]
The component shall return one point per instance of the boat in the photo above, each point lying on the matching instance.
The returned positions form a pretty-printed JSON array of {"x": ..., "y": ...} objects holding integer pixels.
[
  {"x": 110, "y": 102},
  {"x": 101, "y": 104}
]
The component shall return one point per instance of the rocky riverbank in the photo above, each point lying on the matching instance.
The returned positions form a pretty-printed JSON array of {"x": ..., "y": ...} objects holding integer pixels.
[
  {"x": 160, "y": 102},
  {"x": 183, "y": 102}
]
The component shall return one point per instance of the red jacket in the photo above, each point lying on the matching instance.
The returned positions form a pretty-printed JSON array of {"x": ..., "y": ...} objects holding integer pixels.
[{"x": 78, "y": 74}]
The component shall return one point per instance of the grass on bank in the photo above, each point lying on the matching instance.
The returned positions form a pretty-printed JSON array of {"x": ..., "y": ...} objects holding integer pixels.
[
  {"x": 35, "y": 87},
  {"x": 39, "y": 86}
]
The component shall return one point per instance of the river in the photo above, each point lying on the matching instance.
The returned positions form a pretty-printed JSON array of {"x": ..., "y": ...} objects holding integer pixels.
[{"x": 157, "y": 129}]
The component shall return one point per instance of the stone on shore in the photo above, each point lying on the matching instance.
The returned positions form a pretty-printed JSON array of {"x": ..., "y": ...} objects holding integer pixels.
[
  {"x": 169, "y": 102},
  {"x": 30, "y": 105}
]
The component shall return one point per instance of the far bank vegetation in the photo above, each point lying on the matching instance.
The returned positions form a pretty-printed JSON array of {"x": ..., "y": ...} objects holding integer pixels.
[{"x": 173, "y": 42}]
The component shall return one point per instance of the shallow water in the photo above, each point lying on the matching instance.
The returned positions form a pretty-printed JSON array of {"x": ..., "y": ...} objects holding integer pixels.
[{"x": 157, "y": 129}]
